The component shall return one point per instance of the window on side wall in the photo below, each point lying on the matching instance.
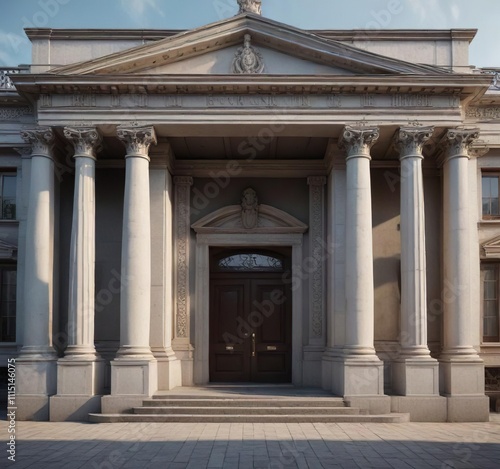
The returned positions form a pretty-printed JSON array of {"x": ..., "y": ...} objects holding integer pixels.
[
  {"x": 8, "y": 196},
  {"x": 490, "y": 276},
  {"x": 8, "y": 285}
]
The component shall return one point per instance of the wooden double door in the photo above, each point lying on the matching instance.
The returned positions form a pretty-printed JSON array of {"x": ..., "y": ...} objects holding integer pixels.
[{"x": 250, "y": 327}]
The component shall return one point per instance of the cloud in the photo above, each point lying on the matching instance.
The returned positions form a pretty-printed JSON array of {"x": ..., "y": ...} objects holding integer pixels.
[
  {"x": 455, "y": 11},
  {"x": 430, "y": 12},
  {"x": 139, "y": 10}
]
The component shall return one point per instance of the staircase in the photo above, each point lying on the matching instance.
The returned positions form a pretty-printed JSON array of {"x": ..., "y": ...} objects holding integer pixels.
[{"x": 249, "y": 407}]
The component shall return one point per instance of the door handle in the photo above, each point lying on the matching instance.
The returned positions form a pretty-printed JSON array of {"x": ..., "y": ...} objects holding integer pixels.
[{"x": 253, "y": 344}]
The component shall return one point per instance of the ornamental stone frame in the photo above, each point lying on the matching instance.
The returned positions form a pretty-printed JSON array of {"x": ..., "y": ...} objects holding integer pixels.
[{"x": 288, "y": 232}]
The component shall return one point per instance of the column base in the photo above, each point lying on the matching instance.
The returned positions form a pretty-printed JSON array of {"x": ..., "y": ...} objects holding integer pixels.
[
  {"x": 76, "y": 377},
  {"x": 312, "y": 369},
  {"x": 73, "y": 408},
  {"x": 327, "y": 370},
  {"x": 169, "y": 373},
  {"x": 185, "y": 353},
  {"x": 32, "y": 408},
  {"x": 416, "y": 377},
  {"x": 358, "y": 376},
  {"x": 468, "y": 409},
  {"x": 461, "y": 377},
  {"x": 36, "y": 380},
  {"x": 420, "y": 408},
  {"x": 134, "y": 377}
]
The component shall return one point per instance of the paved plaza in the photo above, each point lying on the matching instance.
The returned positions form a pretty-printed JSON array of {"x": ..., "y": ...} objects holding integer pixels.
[{"x": 44, "y": 445}]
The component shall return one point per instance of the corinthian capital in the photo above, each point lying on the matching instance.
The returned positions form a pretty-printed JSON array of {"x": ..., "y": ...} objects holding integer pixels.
[
  {"x": 357, "y": 141},
  {"x": 410, "y": 141},
  {"x": 459, "y": 141},
  {"x": 41, "y": 140},
  {"x": 137, "y": 140},
  {"x": 86, "y": 140}
]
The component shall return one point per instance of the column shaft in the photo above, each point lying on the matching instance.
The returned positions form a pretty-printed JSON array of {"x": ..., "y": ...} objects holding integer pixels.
[
  {"x": 359, "y": 250},
  {"x": 136, "y": 246},
  {"x": 36, "y": 375},
  {"x": 82, "y": 254},
  {"x": 413, "y": 339},
  {"x": 458, "y": 336},
  {"x": 39, "y": 268}
]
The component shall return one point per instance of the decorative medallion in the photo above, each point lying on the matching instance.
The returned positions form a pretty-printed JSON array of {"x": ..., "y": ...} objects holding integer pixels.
[
  {"x": 248, "y": 59},
  {"x": 250, "y": 6},
  {"x": 249, "y": 209}
]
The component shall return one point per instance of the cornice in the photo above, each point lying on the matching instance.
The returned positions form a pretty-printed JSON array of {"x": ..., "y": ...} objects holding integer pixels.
[
  {"x": 400, "y": 35},
  {"x": 100, "y": 34},
  {"x": 465, "y": 85},
  {"x": 331, "y": 34}
]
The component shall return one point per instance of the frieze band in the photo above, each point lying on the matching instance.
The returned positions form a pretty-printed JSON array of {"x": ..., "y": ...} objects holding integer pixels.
[{"x": 258, "y": 101}]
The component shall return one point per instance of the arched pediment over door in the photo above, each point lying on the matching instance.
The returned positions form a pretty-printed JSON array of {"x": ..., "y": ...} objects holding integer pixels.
[
  {"x": 254, "y": 226},
  {"x": 230, "y": 220}
]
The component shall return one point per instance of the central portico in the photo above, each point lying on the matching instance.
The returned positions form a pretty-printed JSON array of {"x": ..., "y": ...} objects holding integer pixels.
[{"x": 254, "y": 184}]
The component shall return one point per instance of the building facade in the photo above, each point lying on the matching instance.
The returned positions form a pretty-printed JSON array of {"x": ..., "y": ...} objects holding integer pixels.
[{"x": 251, "y": 202}]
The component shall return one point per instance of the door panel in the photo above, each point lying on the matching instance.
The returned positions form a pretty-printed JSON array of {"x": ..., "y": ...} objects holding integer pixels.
[
  {"x": 229, "y": 349},
  {"x": 250, "y": 328},
  {"x": 273, "y": 338}
]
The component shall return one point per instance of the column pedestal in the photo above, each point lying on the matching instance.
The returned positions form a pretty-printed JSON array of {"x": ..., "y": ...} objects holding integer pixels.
[
  {"x": 169, "y": 369},
  {"x": 80, "y": 385},
  {"x": 36, "y": 381}
]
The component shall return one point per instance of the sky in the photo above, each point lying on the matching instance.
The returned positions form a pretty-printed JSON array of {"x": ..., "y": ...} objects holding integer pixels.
[{"x": 483, "y": 15}]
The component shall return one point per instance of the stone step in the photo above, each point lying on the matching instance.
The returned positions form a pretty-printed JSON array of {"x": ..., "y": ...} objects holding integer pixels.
[
  {"x": 233, "y": 410},
  {"x": 245, "y": 402},
  {"x": 292, "y": 418},
  {"x": 168, "y": 395}
]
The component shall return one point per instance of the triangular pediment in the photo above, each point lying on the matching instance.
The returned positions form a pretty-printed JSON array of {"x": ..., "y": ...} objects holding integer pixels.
[
  {"x": 210, "y": 50},
  {"x": 491, "y": 248},
  {"x": 230, "y": 220}
]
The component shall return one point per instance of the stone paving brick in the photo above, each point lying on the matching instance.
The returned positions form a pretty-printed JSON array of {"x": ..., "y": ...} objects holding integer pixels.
[{"x": 256, "y": 446}]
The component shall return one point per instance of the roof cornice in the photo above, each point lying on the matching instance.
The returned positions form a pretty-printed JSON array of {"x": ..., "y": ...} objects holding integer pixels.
[
  {"x": 332, "y": 34},
  {"x": 469, "y": 86}
]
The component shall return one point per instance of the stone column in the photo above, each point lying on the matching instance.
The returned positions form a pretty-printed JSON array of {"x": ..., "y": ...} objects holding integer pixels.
[
  {"x": 414, "y": 372},
  {"x": 182, "y": 332},
  {"x": 316, "y": 263},
  {"x": 461, "y": 368},
  {"x": 134, "y": 370},
  {"x": 80, "y": 373},
  {"x": 36, "y": 365},
  {"x": 362, "y": 369}
]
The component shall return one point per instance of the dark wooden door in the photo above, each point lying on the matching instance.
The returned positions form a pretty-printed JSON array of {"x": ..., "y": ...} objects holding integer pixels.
[{"x": 250, "y": 328}]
